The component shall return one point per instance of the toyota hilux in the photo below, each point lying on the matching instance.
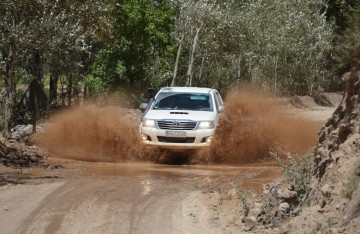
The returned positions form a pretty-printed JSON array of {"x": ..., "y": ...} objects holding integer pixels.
[{"x": 181, "y": 117}]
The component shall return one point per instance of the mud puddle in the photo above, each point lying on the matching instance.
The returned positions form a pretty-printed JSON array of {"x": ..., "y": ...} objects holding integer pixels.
[
  {"x": 33, "y": 175},
  {"x": 251, "y": 176}
]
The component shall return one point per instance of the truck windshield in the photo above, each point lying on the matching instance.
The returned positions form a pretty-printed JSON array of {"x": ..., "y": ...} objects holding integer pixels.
[{"x": 183, "y": 101}]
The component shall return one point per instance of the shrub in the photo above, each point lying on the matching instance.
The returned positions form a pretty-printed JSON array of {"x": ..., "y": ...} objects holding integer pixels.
[
  {"x": 350, "y": 186},
  {"x": 297, "y": 170}
]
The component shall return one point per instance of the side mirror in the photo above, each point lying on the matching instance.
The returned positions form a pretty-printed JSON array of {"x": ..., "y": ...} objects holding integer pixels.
[
  {"x": 143, "y": 106},
  {"x": 221, "y": 109}
]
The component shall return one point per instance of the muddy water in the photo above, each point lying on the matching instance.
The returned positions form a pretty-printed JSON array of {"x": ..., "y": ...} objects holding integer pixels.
[
  {"x": 100, "y": 197},
  {"x": 251, "y": 176},
  {"x": 251, "y": 126}
]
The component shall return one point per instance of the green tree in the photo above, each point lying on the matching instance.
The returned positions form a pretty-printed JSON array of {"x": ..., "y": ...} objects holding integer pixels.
[
  {"x": 72, "y": 26},
  {"x": 141, "y": 31},
  {"x": 34, "y": 31},
  {"x": 280, "y": 46},
  {"x": 347, "y": 14},
  {"x": 14, "y": 20},
  {"x": 341, "y": 11}
]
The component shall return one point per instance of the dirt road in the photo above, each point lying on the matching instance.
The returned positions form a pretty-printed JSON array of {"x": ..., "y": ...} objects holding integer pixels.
[
  {"x": 86, "y": 197},
  {"x": 124, "y": 198}
]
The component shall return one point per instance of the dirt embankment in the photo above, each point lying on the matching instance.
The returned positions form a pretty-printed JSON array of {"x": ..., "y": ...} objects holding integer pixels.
[
  {"x": 336, "y": 185},
  {"x": 18, "y": 155},
  {"x": 15, "y": 154},
  {"x": 337, "y": 181},
  {"x": 333, "y": 203}
]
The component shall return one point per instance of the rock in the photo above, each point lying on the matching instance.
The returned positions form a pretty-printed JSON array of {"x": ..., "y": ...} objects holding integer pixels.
[
  {"x": 352, "y": 209},
  {"x": 266, "y": 189},
  {"x": 21, "y": 131},
  {"x": 256, "y": 210},
  {"x": 232, "y": 193},
  {"x": 249, "y": 223},
  {"x": 287, "y": 195},
  {"x": 284, "y": 207},
  {"x": 55, "y": 167},
  {"x": 325, "y": 190},
  {"x": 28, "y": 129},
  {"x": 296, "y": 211},
  {"x": 258, "y": 205}
]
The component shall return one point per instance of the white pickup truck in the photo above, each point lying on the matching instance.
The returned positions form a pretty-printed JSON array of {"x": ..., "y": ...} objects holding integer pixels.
[{"x": 181, "y": 117}]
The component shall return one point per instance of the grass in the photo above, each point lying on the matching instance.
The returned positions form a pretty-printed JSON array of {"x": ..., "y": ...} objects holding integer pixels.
[
  {"x": 243, "y": 196},
  {"x": 323, "y": 227},
  {"x": 350, "y": 186}
]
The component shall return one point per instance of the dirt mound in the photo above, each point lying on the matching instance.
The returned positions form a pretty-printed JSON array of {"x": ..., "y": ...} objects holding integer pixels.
[
  {"x": 331, "y": 204},
  {"x": 328, "y": 99},
  {"x": 252, "y": 125},
  {"x": 14, "y": 154},
  {"x": 338, "y": 157},
  {"x": 335, "y": 196},
  {"x": 314, "y": 102}
]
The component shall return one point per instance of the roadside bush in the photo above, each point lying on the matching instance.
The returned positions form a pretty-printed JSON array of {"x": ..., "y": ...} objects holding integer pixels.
[
  {"x": 23, "y": 115},
  {"x": 350, "y": 186},
  {"x": 298, "y": 170},
  {"x": 20, "y": 115}
]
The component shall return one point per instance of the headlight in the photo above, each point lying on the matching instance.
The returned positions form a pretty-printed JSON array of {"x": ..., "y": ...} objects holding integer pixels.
[
  {"x": 148, "y": 123},
  {"x": 206, "y": 125}
]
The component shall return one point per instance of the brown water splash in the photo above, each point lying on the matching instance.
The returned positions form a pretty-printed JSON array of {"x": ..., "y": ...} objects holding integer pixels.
[
  {"x": 252, "y": 125},
  {"x": 94, "y": 134}
]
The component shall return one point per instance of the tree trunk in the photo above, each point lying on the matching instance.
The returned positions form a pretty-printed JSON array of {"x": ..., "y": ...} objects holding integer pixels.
[
  {"x": 69, "y": 89},
  {"x": 189, "y": 74},
  {"x": 38, "y": 67},
  {"x": 62, "y": 96},
  {"x": 76, "y": 95},
  {"x": 276, "y": 77},
  {"x": 239, "y": 71},
  {"x": 201, "y": 68},
  {"x": 53, "y": 88},
  {"x": 86, "y": 92},
  {"x": 9, "y": 89},
  {"x": 34, "y": 111},
  {"x": 177, "y": 60}
]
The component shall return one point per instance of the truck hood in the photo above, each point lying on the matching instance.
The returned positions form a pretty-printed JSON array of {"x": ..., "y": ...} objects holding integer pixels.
[{"x": 180, "y": 115}]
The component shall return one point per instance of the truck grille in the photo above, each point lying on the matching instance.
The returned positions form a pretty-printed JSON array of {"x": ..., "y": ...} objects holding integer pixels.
[
  {"x": 176, "y": 139},
  {"x": 176, "y": 125}
]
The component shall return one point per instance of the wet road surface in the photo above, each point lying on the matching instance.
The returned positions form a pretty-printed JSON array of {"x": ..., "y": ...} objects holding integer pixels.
[{"x": 130, "y": 198}]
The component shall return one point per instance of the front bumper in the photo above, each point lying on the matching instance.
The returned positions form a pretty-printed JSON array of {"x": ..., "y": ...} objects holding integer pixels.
[{"x": 194, "y": 139}]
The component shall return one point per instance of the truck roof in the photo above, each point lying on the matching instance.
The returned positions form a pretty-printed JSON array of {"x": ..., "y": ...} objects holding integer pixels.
[{"x": 186, "y": 89}]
